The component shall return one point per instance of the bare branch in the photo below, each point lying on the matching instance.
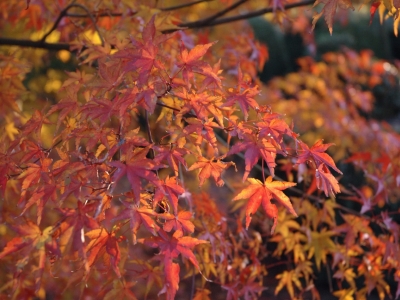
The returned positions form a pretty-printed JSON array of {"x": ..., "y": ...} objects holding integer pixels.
[
  {"x": 223, "y": 12},
  {"x": 96, "y": 14},
  {"x": 63, "y": 14},
  {"x": 197, "y": 24},
  {"x": 179, "y": 6},
  {"x": 34, "y": 44},
  {"x": 201, "y": 23}
]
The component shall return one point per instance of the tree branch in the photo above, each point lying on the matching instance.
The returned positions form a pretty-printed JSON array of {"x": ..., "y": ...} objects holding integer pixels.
[
  {"x": 206, "y": 22},
  {"x": 63, "y": 13},
  {"x": 179, "y": 6},
  {"x": 34, "y": 44},
  {"x": 222, "y": 12},
  {"x": 201, "y": 23}
]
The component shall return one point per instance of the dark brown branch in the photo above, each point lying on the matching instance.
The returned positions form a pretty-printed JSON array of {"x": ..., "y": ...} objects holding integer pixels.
[
  {"x": 197, "y": 24},
  {"x": 179, "y": 6},
  {"x": 260, "y": 12},
  {"x": 63, "y": 13},
  {"x": 223, "y": 12},
  {"x": 96, "y": 14},
  {"x": 34, "y": 44}
]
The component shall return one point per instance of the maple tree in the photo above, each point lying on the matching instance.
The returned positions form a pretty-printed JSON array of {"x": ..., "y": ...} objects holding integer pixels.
[{"x": 135, "y": 167}]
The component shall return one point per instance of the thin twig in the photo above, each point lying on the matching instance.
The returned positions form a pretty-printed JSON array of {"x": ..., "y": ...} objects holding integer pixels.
[
  {"x": 191, "y": 25},
  {"x": 223, "y": 12},
  {"x": 183, "y": 5},
  {"x": 63, "y": 14},
  {"x": 260, "y": 12},
  {"x": 150, "y": 136},
  {"x": 96, "y": 14}
]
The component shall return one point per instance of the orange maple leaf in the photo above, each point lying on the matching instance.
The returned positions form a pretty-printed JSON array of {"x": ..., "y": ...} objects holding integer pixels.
[
  {"x": 262, "y": 193},
  {"x": 104, "y": 243},
  {"x": 210, "y": 168}
]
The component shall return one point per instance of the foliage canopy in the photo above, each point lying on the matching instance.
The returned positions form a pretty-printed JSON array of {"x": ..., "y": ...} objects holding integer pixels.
[{"x": 135, "y": 146}]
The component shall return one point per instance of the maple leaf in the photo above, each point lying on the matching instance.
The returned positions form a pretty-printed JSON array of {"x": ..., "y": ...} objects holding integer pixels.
[
  {"x": 180, "y": 222},
  {"x": 137, "y": 216},
  {"x": 203, "y": 104},
  {"x": 137, "y": 166},
  {"x": 262, "y": 193},
  {"x": 41, "y": 193},
  {"x": 104, "y": 243},
  {"x": 170, "y": 248},
  {"x": 287, "y": 278},
  {"x": 172, "y": 190},
  {"x": 32, "y": 241},
  {"x": 316, "y": 152},
  {"x": 254, "y": 149},
  {"x": 243, "y": 95},
  {"x": 66, "y": 106},
  {"x": 71, "y": 229},
  {"x": 151, "y": 274},
  {"x": 274, "y": 127},
  {"x": 101, "y": 109},
  {"x": 77, "y": 78},
  {"x": 173, "y": 155},
  {"x": 145, "y": 54},
  {"x": 110, "y": 74},
  {"x": 191, "y": 62},
  {"x": 329, "y": 10},
  {"x": 121, "y": 290},
  {"x": 326, "y": 181},
  {"x": 35, "y": 124},
  {"x": 346, "y": 273},
  {"x": 202, "y": 294},
  {"x": 95, "y": 52},
  {"x": 209, "y": 167},
  {"x": 202, "y": 130},
  {"x": 372, "y": 10},
  {"x": 320, "y": 245}
]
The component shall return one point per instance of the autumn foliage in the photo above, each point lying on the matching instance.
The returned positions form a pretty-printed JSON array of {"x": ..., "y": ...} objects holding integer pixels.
[{"x": 154, "y": 162}]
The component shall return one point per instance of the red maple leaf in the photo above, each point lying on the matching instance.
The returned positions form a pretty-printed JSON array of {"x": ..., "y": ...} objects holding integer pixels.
[
  {"x": 262, "y": 193},
  {"x": 32, "y": 241},
  {"x": 104, "y": 243},
  {"x": 137, "y": 216},
  {"x": 326, "y": 181},
  {"x": 317, "y": 154},
  {"x": 35, "y": 192},
  {"x": 191, "y": 62},
  {"x": 69, "y": 230},
  {"x": 137, "y": 166},
  {"x": 144, "y": 57},
  {"x": 170, "y": 248},
  {"x": 172, "y": 190},
  {"x": 180, "y": 222},
  {"x": 210, "y": 167},
  {"x": 274, "y": 128},
  {"x": 35, "y": 124},
  {"x": 202, "y": 130},
  {"x": 173, "y": 155},
  {"x": 152, "y": 274},
  {"x": 67, "y": 105},
  {"x": 101, "y": 109},
  {"x": 254, "y": 149},
  {"x": 243, "y": 95}
]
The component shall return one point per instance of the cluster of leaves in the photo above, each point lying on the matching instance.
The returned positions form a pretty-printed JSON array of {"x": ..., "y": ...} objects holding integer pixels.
[{"x": 148, "y": 118}]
